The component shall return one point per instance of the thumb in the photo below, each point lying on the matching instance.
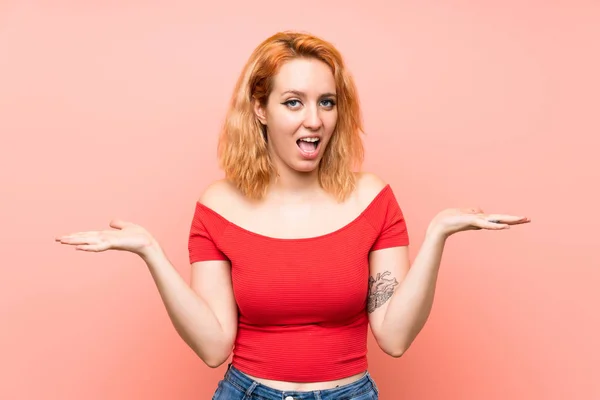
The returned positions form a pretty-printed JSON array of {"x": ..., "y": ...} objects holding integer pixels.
[
  {"x": 119, "y": 223},
  {"x": 474, "y": 210}
]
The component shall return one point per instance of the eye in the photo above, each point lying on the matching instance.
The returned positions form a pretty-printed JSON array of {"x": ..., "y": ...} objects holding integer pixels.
[
  {"x": 292, "y": 103},
  {"x": 328, "y": 103}
]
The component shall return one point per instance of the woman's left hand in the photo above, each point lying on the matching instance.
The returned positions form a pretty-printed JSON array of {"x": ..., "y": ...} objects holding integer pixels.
[{"x": 453, "y": 220}]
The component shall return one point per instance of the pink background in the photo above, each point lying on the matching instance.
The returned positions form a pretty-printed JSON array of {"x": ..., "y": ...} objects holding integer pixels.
[{"x": 112, "y": 109}]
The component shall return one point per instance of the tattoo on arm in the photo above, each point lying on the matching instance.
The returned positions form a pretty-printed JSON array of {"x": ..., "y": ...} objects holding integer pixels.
[{"x": 381, "y": 289}]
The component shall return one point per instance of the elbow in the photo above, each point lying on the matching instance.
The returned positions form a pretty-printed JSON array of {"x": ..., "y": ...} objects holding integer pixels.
[
  {"x": 216, "y": 357},
  {"x": 396, "y": 353},
  {"x": 395, "y": 350},
  {"x": 216, "y": 360}
]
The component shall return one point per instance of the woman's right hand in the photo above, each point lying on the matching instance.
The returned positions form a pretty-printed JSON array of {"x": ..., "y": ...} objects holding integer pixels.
[{"x": 125, "y": 236}]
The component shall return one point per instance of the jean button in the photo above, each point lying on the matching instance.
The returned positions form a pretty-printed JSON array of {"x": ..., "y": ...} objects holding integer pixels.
[{"x": 289, "y": 398}]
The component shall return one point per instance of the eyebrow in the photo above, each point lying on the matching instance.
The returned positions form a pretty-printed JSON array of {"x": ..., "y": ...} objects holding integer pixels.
[{"x": 302, "y": 94}]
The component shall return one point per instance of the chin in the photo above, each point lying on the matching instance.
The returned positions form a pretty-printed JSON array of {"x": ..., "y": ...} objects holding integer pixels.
[{"x": 306, "y": 166}]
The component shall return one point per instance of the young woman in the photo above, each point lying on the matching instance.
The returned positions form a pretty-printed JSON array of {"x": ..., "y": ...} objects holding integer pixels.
[{"x": 294, "y": 254}]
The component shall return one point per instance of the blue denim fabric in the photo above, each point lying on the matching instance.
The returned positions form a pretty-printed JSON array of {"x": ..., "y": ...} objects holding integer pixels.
[{"x": 237, "y": 386}]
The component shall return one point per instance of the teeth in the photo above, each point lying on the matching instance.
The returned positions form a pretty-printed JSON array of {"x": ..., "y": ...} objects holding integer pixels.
[{"x": 310, "y": 140}]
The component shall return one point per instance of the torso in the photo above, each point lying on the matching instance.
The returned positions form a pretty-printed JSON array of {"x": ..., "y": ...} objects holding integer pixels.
[{"x": 317, "y": 216}]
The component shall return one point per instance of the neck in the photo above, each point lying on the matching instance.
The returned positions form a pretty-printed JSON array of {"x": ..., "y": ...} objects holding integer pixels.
[{"x": 295, "y": 185}]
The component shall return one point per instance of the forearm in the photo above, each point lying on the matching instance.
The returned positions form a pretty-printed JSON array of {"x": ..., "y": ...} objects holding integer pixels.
[
  {"x": 411, "y": 303},
  {"x": 191, "y": 316}
]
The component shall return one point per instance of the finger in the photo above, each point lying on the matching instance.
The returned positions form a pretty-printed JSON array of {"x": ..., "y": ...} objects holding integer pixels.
[
  {"x": 92, "y": 247},
  {"x": 89, "y": 239},
  {"x": 511, "y": 219},
  {"x": 81, "y": 237},
  {"x": 76, "y": 234},
  {"x": 518, "y": 222},
  {"x": 119, "y": 223},
  {"x": 74, "y": 239},
  {"x": 472, "y": 210},
  {"x": 483, "y": 223},
  {"x": 524, "y": 221}
]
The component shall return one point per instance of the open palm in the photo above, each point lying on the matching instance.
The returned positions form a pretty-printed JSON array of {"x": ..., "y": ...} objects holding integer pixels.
[
  {"x": 453, "y": 220},
  {"x": 125, "y": 236}
]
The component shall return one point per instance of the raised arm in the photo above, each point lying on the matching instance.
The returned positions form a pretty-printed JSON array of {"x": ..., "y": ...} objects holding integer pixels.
[{"x": 204, "y": 312}]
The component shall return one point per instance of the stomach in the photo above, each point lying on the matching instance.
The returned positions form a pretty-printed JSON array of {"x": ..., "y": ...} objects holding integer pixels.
[{"x": 306, "y": 386}]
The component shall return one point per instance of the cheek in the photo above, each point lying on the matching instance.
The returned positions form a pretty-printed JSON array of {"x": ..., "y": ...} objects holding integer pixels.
[
  {"x": 280, "y": 128},
  {"x": 284, "y": 123},
  {"x": 331, "y": 120}
]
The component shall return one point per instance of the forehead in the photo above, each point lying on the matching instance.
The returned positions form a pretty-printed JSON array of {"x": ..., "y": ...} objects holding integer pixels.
[{"x": 307, "y": 75}]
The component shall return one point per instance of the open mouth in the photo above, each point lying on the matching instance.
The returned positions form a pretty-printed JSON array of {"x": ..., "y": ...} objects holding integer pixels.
[{"x": 308, "y": 145}]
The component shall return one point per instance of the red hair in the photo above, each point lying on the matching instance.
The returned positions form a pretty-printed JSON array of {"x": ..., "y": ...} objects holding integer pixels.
[{"x": 242, "y": 148}]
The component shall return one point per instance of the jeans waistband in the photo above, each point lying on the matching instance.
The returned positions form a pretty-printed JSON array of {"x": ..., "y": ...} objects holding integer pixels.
[{"x": 249, "y": 386}]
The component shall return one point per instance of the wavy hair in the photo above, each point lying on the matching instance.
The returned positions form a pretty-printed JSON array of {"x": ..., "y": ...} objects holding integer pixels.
[{"x": 242, "y": 147}]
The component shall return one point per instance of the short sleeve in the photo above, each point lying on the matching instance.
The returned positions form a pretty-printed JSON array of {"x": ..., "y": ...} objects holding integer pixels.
[
  {"x": 393, "y": 231},
  {"x": 201, "y": 245}
]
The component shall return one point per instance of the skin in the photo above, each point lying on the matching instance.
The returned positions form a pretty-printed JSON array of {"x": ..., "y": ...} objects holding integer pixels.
[
  {"x": 302, "y": 103},
  {"x": 204, "y": 312}
]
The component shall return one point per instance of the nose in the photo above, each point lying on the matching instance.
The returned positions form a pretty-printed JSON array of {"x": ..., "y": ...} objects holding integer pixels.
[{"x": 312, "y": 118}]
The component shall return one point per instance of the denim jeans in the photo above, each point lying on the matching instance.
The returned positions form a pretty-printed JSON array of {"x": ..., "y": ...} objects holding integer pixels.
[{"x": 237, "y": 386}]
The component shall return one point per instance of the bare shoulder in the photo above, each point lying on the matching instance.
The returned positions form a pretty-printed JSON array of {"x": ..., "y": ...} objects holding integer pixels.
[
  {"x": 220, "y": 196},
  {"x": 368, "y": 186}
]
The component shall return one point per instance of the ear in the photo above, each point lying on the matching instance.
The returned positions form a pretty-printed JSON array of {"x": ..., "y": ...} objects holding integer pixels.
[{"x": 260, "y": 112}]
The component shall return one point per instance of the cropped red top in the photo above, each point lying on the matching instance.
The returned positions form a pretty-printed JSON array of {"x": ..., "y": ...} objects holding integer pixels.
[{"x": 301, "y": 302}]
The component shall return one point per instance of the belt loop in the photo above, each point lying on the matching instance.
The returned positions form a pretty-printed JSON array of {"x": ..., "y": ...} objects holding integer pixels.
[{"x": 251, "y": 389}]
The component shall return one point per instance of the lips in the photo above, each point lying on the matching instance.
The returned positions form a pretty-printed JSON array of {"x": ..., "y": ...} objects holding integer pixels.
[
  {"x": 308, "y": 147},
  {"x": 308, "y": 144}
]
